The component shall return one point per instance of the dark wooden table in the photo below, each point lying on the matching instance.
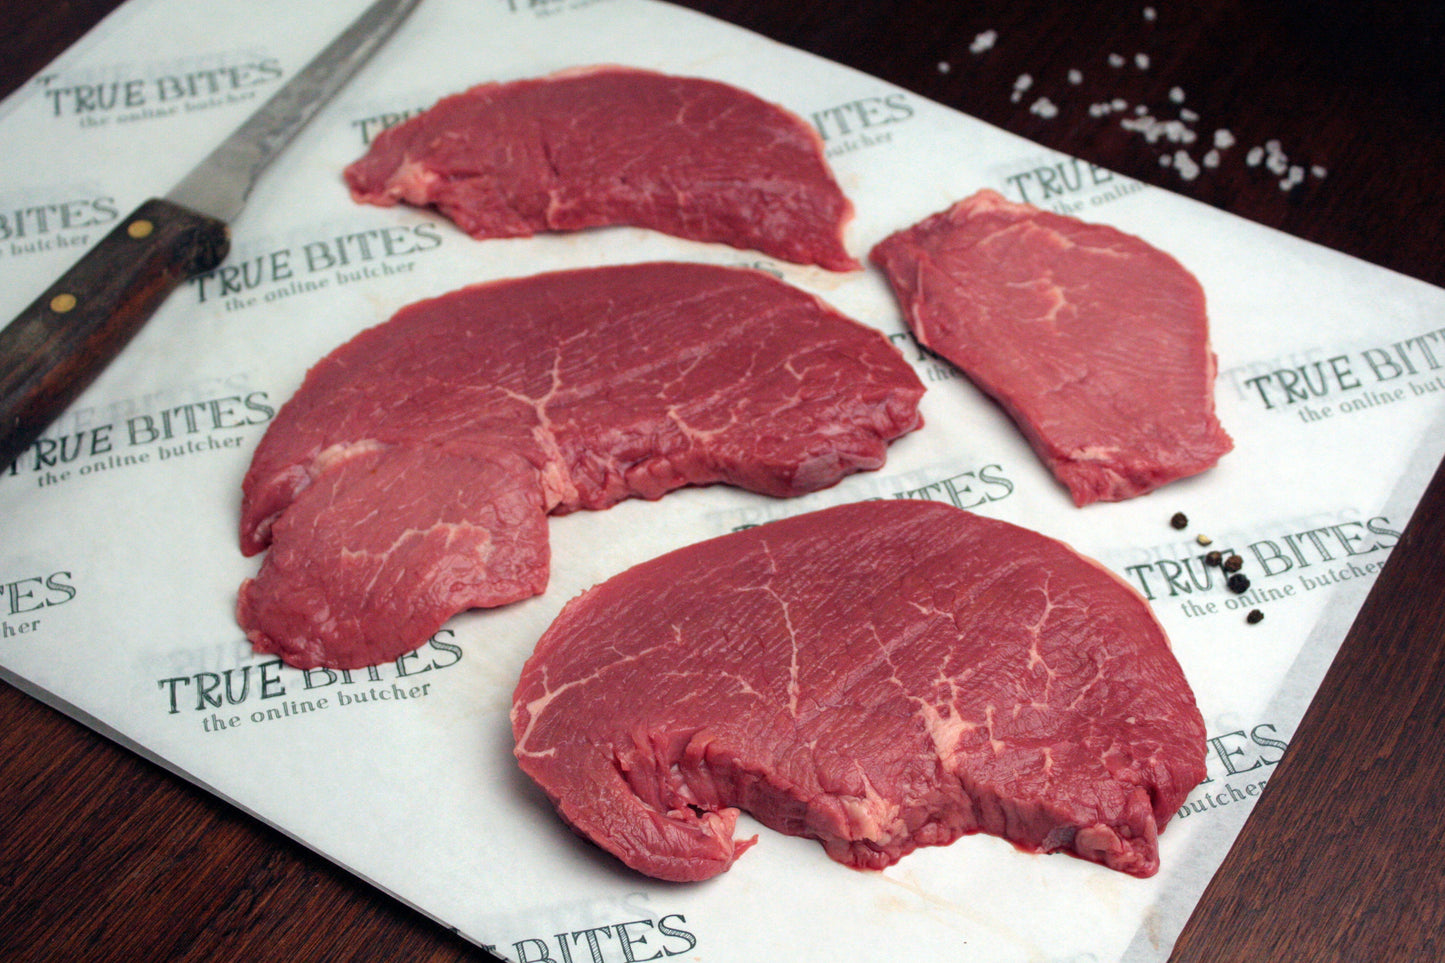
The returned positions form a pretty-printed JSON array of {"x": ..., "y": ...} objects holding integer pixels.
[{"x": 104, "y": 855}]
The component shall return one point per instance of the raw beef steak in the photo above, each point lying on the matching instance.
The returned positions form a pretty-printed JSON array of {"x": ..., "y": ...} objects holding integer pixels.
[
  {"x": 879, "y": 676},
  {"x": 409, "y": 477},
  {"x": 1096, "y": 343},
  {"x": 598, "y": 146}
]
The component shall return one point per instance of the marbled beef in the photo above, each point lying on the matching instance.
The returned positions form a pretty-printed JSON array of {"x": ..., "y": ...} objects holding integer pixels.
[
  {"x": 598, "y": 146},
  {"x": 1095, "y": 342},
  {"x": 879, "y": 676},
  {"x": 409, "y": 477}
]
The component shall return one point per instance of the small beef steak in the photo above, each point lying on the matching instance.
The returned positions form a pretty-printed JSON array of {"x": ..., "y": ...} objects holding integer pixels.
[
  {"x": 879, "y": 676},
  {"x": 410, "y": 476},
  {"x": 1096, "y": 343},
  {"x": 598, "y": 146}
]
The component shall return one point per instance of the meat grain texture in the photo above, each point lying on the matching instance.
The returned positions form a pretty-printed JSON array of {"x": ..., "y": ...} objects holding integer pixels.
[
  {"x": 1095, "y": 342},
  {"x": 410, "y": 476},
  {"x": 878, "y": 676},
  {"x": 605, "y": 145}
]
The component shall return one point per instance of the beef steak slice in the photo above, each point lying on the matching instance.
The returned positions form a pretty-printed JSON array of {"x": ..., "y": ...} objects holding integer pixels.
[
  {"x": 410, "y": 475},
  {"x": 608, "y": 145},
  {"x": 1095, "y": 342},
  {"x": 878, "y": 676}
]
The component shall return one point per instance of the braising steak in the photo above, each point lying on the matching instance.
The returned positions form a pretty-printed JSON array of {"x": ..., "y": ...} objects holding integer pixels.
[
  {"x": 1095, "y": 342},
  {"x": 597, "y": 146},
  {"x": 878, "y": 676},
  {"x": 410, "y": 475}
]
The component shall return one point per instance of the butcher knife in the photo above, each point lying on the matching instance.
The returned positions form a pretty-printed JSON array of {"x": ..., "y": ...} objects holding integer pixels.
[{"x": 56, "y": 347}]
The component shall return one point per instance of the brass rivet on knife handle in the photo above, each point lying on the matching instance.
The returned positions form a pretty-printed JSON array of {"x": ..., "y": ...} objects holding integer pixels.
[{"x": 53, "y": 350}]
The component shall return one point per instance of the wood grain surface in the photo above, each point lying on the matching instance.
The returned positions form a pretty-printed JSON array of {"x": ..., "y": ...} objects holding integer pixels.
[{"x": 104, "y": 855}]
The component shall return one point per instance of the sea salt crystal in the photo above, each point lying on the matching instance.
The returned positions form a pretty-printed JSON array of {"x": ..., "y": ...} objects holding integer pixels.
[
  {"x": 1141, "y": 61},
  {"x": 1255, "y": 155},
  {"x": 1149, "y": 14},
  {"x": 1188, "y": 115},
  {"x": 1075, "y": 77},
  {"x": 1318, "y": 171},
  {"x": 983, "y": 41},
  {"x": 1115, "y": 60},
  {"x": 1223, "y": 139},
  {"x": 1275, "y": 159},
  {"x": 1118, "y": 103},
  {"x": 1211, "y": 159},
  {"x": 1145, "y": 125},
  {"x": 1176, "y": 94},
  {"x": 1023, "y": 83},
  {"x": 1185, "y": 165},
  {"x": 1174, "y": 131},
  {"x": 1165, "y": 160},
  {"x": 943, "y": 66},
  {"x": 1044, "y": 108}
]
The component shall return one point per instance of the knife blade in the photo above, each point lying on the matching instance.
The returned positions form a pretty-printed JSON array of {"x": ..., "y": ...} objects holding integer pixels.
[{"x": 54, "y": 349}]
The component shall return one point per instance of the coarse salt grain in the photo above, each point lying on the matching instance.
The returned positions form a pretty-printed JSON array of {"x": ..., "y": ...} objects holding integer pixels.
[
  {"x": 1023, "y": 83},
  {"x": 1176, "y": 94},
  {"x": 1149, "y": 14},
  {"x": 1185, "y": 165},
  {"x": 943, "y": 66},
  {"x": 1075, "y": 77},
  {"x": 1044, "y": 107},
  {"x": 1172, "y": 130},
  {"x": 983, "y": 41},
  {"x": 1118, "y": 103},
  {"x": 1188, "y": 115},
  {"x": 1211, "y": 159},
  {"x": 1255, "y": 155},
  {"x": 1115, "y": 60},
  {"x": 1318, "y": 171},
  {"x": 1223, "y": 139},
  {"x": 1141, "y": 61}
]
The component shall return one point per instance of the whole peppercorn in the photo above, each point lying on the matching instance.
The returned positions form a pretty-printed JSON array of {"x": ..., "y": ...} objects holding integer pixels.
[
  {"x": 1214, "y": 559},
  {"x": 1238, "y": 584},
  {"x": 1180, "y": 520},
  {"x": 1254, "y": 617},
  {"x": 1233, "y": 564}
]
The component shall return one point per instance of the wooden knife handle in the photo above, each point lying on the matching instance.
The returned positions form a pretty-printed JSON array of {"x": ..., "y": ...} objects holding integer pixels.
[{"x": 56, "y": 347}]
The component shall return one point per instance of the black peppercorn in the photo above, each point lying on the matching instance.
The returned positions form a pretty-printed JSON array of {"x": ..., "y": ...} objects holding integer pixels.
[
  {"x": 1254, "y": 617},
  {"x": 1214, "y": 559},
  {"x": 1233, "y": 564},
  {"x": 1238, "y": 584},
  {"x": 1180, "y": 520}
]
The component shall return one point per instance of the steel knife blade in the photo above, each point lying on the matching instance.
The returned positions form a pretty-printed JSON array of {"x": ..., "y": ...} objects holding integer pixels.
[{"x": 54, "y": 349}]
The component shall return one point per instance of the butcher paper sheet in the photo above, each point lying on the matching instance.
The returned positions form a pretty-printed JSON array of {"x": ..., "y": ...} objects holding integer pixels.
[{"x": 118, "y": 545}]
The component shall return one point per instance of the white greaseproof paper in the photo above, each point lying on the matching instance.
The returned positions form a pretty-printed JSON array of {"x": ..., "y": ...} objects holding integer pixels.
[{"x": 118, "y": 545}]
